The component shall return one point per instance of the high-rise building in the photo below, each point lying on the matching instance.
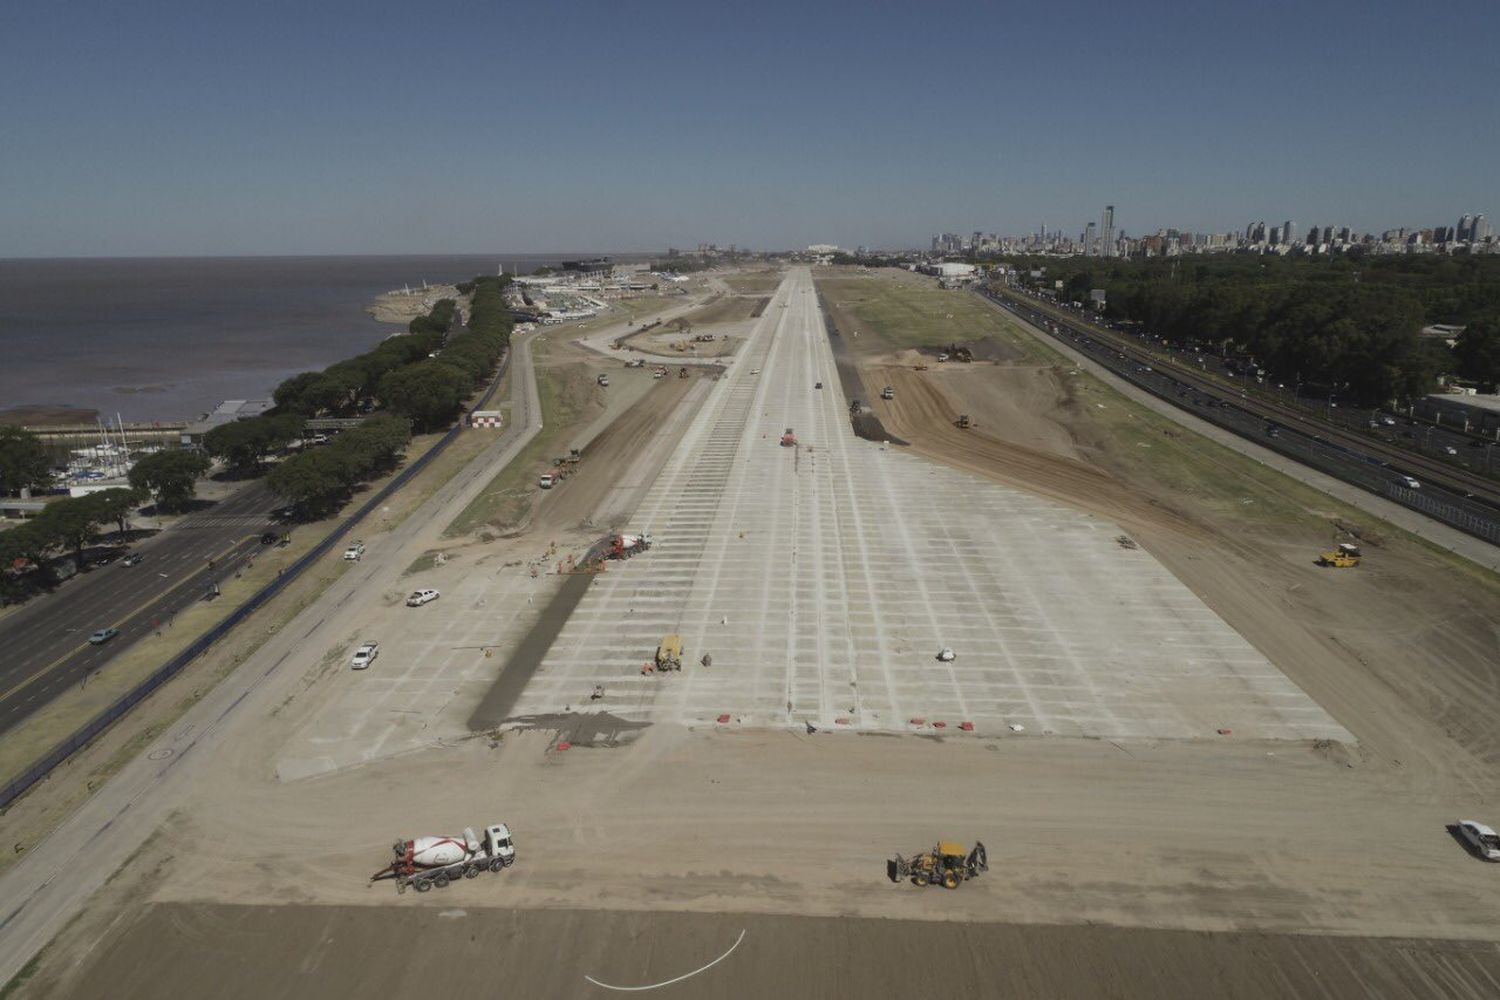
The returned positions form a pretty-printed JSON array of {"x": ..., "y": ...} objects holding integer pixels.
[
  {"x": 1465, "y": 229},
  {"x": 1107, "y": 232},
  {"x": 1289, "y": 231},
  {"x": 1480, "y": 230},
  {"x": 1089, "y": 235}
]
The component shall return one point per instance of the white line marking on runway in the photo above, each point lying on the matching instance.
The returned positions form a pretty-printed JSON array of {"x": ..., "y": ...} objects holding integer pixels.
[{"x": 669, "y": 982}]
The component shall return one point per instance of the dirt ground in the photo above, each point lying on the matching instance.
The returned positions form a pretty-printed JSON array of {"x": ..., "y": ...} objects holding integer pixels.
[
  {"x": 1153, "y": 868},
  {"x": 241, "y": 952}
]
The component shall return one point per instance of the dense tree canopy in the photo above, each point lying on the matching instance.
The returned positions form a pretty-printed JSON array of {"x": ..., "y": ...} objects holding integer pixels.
[
  {"x": 170, "y": 476},
  {"x": 244, "y": 444},
  {"x": 1352, "y": 322},
  {"x": 1477, "y": 353},
  {"x": 23, "y": 460},
  {"x": 318, "y": 481}
]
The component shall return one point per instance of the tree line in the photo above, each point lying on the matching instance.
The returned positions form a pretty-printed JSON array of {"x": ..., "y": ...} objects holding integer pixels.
[
  {"x": 1353, "y": 322},
  {"x": 419, "y": 380}
]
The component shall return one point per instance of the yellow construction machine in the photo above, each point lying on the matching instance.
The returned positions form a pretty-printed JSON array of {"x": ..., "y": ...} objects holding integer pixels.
[
  {"x": 669, "y": 653},
  {"x": 946, "y": 865},
  {"x": 1343, "y": 557}
]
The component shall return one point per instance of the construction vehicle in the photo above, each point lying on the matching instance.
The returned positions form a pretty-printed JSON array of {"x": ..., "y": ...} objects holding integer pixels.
[
  {"x": 889, "y": 392},
  {"x": 957, "y": 352},
  {"x": 571, "y": 458},
  {"x": 855, "y": 407},
  {"x": 669, "y": 653},
  {"x": 435, "y": 861},
  {"x": 789, "y": 439},
  {"x": 623, "y": 546},
  {"x": 963, "y": 423},
  {"x": 946, "y": 865},
  {"x": 1343, "y": 557},
  {"x": 682, "y": 373},
  {"x": 603, "y": 379}
]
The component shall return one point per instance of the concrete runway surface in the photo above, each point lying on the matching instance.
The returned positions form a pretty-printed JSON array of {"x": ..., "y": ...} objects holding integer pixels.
[{"x": 823, "y": 579}]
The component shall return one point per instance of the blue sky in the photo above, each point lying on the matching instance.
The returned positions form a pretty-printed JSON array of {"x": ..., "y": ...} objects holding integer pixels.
[{"x": 270, "y": 127}]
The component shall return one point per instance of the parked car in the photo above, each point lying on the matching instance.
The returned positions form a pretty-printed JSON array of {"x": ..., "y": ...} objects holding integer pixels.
[
  {"x": 134, "y": 559},
  {"x": 365, "y": 655},
  {"x": 355, "y": 551},
  {"x": 1484, "y": 841},
  {"x": 421, "y": 597},
  {"x": 102, "y": 636}
]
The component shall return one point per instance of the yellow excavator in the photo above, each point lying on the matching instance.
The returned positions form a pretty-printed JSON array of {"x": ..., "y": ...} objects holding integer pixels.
[
  {"x": 946, "y": 865},
  {"x": 1343, "y": 557}
]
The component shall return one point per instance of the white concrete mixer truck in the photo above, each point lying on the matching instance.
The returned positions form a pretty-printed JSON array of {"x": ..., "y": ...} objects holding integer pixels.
[{"x": 435, "y": 861}]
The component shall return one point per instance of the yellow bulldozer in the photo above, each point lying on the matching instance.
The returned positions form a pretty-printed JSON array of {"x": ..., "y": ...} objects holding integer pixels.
[
  {"x": 946, "y": 865},
  {"x": 1343, "y": 557}
]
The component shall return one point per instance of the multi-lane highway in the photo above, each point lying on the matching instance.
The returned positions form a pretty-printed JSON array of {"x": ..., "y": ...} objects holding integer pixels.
[
  {"x": 1451, "y": 495},
  {"x": 46, "y": 642}
]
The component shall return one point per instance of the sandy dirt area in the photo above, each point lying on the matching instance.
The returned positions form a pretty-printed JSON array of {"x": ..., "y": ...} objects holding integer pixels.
[
  {"x": 241, "y": 952},
  {"x": 1172, "y": 868}
]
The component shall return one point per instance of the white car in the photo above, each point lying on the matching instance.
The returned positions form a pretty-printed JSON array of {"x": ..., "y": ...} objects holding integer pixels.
[
  {"x": 946, "y": 655},
  {"x": 1486, "y": 842},
  {"x": 1410, "y": 483},
  {"x": 365, "y": 655},
  {"x": 421, "y": 597},
  {"x": 755, "y": 371},
  {"x": 1448, "y": 449},
  {"x": 354, "y": 552},
  {"x": 546, "y": 480}
]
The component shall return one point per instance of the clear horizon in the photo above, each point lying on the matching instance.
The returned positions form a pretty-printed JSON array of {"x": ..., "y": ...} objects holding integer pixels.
[{"x": 171, "y": 129}]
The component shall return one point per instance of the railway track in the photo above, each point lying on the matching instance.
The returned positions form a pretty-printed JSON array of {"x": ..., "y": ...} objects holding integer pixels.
[{"x": 1400, "y": 459}]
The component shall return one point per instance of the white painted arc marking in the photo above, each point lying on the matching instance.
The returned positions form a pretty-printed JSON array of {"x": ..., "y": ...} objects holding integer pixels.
[{"x": 669, "y": 982}]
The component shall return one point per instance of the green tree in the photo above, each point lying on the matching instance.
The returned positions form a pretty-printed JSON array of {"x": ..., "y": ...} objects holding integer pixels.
[
  {"x": 315, "y": 482},
  {"x": 170, "y": 476},
  {"x": 116, "y": 505},
  {"x": 429, "y": 392},
  {"x": 28, "y": 542},
  {"x": 1477, "y": 353},
  {"x": 74, "y": 522},
  {"x": 244, "y": 444},
  {"x": 23, "y": 460}
]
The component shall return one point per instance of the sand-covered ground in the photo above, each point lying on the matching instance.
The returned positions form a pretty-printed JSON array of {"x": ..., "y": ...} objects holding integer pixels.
[{"x": 1171, "y": 868}]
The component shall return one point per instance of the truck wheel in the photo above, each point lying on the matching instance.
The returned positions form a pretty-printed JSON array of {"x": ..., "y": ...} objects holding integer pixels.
[
  {"x": 421, "y": 884},
  {"x": 440, "y": 880},
  {"x": 950, "y": 880},
  {"x": 472, "y": 871},
  {"x": 507, "y": 862},
  {"x": 496, "y": 865},
  {"x": 921, "y": 878}
]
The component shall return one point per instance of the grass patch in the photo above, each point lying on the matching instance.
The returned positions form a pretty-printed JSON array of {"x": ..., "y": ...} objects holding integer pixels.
[
  {"x": 904, "y": 310},
  {"x": 567, "y": 393},
  {"x": 725, "y": 309},
  {"x": 20, "y": 978},
  {"x": 755, "y": 282}
]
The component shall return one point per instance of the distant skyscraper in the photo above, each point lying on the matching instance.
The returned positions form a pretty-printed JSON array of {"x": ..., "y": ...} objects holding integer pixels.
[
  {"x": 1466, "y": 227},
  {"x": 1481, "y": 229},
  {"x": 1090, "y": 233},
  {"x": 1107, "y": 232},
  {"x": 1289, "y": 231}
]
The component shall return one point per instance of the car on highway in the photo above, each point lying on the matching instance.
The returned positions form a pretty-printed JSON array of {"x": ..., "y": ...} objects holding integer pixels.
[
  {"x": 1482, "y": 839},
  {"x": 1410, "y": 483},
  {"x": 1388, "y": 421},
  {"x": 102, "y": 636},
  {"x": 1448, "y": 449},
  {"x": 817, "y": 385},
  {"x": 418, "y": 598},
  {"x": 364, "y": 655},
  {"x": 355, "y": 551},
  {"x": 269, "y": 538},
  {"x": 134, "y": 559}
]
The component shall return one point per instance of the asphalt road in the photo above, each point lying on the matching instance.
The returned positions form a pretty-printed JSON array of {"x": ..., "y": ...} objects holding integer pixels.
[
  {"x": 46, "y": 642},
  {"x": 58, "y": 875},
  {"x": 1294, "y": 437}
]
